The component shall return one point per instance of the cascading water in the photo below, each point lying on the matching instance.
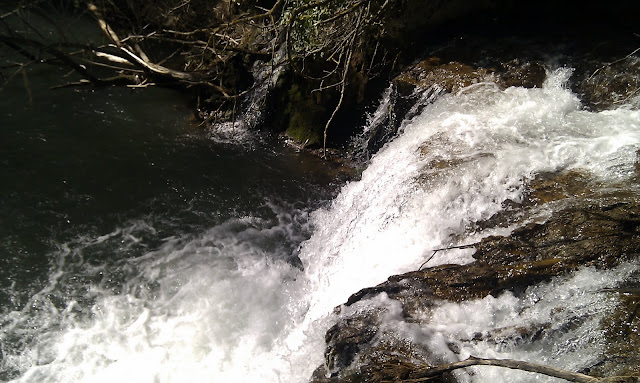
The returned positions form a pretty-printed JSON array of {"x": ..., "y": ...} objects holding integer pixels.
[{"x": 232, "y": 303}]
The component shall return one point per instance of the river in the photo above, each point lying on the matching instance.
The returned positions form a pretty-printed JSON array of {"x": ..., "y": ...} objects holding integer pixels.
[
  {"x": 106, "y": 193},
  {"x": 137, "y": 247}
]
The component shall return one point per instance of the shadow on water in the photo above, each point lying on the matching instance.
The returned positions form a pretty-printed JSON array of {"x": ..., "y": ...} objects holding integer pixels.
[{"x": 77, "y": 162}]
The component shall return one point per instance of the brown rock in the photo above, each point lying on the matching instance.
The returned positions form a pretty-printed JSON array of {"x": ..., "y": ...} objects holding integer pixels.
[
  {"x": 611, "y": 85},
  {"x": 601, "y": 232},
  {"x": 527, "y": 75},
  {"x": 451, "y": 76}
]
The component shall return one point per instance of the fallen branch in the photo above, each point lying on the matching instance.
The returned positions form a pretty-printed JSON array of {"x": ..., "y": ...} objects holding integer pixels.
[
  {"x": 141, "y": 59},
  {"x": 427, "y": 373},
  {"x": 103, "y": 24},
  {"x": 18, "y": 45}
]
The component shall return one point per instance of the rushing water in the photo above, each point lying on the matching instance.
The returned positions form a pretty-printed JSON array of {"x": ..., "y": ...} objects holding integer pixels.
[
  {"x": 114, "y": 205},
  {"x": 135, "y": 249}
]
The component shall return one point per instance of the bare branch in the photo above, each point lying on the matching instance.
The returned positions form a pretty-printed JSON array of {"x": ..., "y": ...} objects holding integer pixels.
[
  {"x": 349, "y": 49},
  {"x": 63, "y": 57},
  {"x": 430, "y": 372},
  {"x": 250, "y": 18},
  {"x": 20, "y": 8},
  {"x": 614, "y": 62},
  {"x": 103, "y": 24},
  {"x": 435, "y": 251}
]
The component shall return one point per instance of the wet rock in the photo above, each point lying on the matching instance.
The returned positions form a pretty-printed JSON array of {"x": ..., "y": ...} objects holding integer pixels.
[
  {"x": 306, "y": 116},
  {"x": 588, "y": 228},
  {"x": 395, "y": 369},
  {"x": 623, "y": 323},
  {"x": 600, "y": 235},
  {"x": 360, "y": 348},
  {"x": 422, "y": 83},
  {"x": 453, "y": 76},
  {"x": 347, "y": 337},
  {"x": 415, "y": 88},
  {"x": 608, "y": 86},
  {"x": 431, "y": 72},
  {"x": 550, "y": 187},
  {"x": 527, "y": 75}
]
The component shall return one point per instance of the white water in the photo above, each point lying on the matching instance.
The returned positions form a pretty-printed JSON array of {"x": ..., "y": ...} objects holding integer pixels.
[
  {"x": 556, "y": 324},
  {"x": 564, "y": 316},
  {"x": 224, "y": 306}
]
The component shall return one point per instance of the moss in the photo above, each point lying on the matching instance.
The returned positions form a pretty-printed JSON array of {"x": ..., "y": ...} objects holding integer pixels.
[{"x": 306, "y": 118}]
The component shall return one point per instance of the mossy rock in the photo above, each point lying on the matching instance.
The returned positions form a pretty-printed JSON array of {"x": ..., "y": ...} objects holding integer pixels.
[
  {"x": 450, "y": 76},
  {"x": 306, "y": 118}
]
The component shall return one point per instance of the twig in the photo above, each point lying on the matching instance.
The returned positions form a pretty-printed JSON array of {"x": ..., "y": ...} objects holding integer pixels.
[
  {"x": 63, "y": 57},
  {"x": 27, "y": 87},
  {"x": 628, "y": 97},
  {"x": 20, "y": 8},
  {"x": 341, "y": 14},
  {"x": 14, "y": 74},
  {"x": 443, "y": 249},
  {"x": 622, "y": 290},
  {"x": 343, "y": 86},
  {"x": 250, "y": 18},
  {"x": 292, "y": 21},
  {"x": 614, "y": 62},
  {"x": 103, "y": 24}
]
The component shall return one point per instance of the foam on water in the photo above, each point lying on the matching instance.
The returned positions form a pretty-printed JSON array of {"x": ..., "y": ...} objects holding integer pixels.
[
  {"x": 491, "y": 142},
  {"x": 556, "y": 323},
  {"x": 230, "y": 304},
  {"x": 563, "y": 316},
  {"x": 209, "y": 307}
]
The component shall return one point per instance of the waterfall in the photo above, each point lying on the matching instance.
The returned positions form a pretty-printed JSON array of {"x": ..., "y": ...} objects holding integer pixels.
[{"x": 250, "y": 298}]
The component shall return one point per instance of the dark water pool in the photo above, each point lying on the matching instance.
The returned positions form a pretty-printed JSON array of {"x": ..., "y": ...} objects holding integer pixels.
[{"x": 82, "y": 161}]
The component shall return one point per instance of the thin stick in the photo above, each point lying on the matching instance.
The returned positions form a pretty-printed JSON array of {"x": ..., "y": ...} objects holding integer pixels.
[
  {"x": 344, "y": 85},
  {"x": 430, "y": 372},
  {"x": 443, "y": 249},
  {"x": 614, "y": 62}
]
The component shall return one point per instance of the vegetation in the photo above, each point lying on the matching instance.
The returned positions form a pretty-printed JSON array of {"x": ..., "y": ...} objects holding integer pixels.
[
  {"x": 324, "y": 55},
  {"x": 209, "y": 47}
]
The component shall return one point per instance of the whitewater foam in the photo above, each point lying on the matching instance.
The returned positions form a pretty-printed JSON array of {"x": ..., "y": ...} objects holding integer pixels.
[{"x": 233, "y": 304}]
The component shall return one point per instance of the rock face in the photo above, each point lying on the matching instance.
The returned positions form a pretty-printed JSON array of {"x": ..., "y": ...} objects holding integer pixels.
[
  {"x": 415, "y": 87},
  {"x": 591, "y": 225},
  {"x": 601, "y": 231}
]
